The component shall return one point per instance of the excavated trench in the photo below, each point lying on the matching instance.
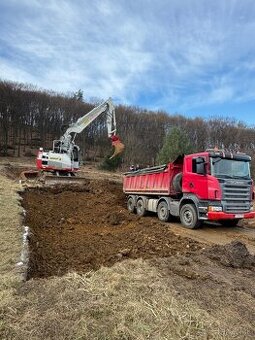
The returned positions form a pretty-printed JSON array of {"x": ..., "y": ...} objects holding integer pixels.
[{"x": 83, "y": 228}]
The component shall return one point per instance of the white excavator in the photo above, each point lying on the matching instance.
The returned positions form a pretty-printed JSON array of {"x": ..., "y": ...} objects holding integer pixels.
[{"x": 63, "y": 160}]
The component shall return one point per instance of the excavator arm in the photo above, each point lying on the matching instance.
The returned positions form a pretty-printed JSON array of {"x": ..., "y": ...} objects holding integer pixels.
[
  {"x": 67, "y": 140},
  {"x": 88, "y": 118}
]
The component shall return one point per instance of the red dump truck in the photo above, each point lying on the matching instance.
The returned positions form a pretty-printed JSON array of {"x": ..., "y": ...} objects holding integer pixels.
[{"x": 209, "y": 186}]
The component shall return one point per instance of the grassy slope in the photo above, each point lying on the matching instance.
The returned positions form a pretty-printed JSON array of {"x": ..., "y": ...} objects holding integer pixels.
[
  {"x": 128, "y": 301},
  {"x": 10, "y": 245}
]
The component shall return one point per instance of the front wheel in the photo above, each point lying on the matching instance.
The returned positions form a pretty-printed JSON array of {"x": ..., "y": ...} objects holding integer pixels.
[
  {"x": 189, "y": 216},
  {"x": 163, "y": 211}
]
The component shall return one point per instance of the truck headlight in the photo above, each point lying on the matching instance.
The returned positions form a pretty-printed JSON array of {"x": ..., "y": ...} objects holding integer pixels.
[{"x": 215, "y": 209}]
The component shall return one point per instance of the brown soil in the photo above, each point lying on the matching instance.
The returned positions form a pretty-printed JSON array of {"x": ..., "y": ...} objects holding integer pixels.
[
  {"x": 233, "y": 255},
  {"x": 14, "y": 172},
  {"x": 82, "y": 228}
]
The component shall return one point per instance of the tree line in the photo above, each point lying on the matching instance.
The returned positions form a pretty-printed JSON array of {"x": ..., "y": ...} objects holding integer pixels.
[{"x": 30, "y": 118}]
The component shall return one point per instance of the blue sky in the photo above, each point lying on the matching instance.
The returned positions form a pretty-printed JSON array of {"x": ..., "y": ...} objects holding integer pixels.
[{"x": 194, "y": 57}]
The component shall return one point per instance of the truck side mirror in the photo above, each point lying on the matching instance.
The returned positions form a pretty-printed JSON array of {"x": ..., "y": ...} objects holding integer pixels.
[{"x": 200, "y": 166}]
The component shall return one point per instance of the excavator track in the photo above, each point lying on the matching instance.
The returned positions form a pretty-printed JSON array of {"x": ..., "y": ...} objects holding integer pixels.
[
  {"x": 49, "y": 180},
  {"x": 33, "y": 177}
]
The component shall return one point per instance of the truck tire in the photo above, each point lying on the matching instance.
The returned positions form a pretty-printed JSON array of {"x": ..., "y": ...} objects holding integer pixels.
[
  {"x": 140, "y": 207},
  {"x": 177, "y": 182},
  {"x": 131, "y": 204},
  {"x": 163, "y": 211},
  {"x": 189, "y": 216}
]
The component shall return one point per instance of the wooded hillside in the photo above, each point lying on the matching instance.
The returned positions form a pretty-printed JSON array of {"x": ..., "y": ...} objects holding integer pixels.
[{"x": 30, "y": 118}]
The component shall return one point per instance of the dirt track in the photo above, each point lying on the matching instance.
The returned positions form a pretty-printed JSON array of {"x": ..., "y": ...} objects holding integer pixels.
[{"x": 217, "y": 234}]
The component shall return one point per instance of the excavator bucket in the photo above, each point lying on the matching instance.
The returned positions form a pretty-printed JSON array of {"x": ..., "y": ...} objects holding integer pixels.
[
  {"x": 118, "y": 146},
  {"x": 29, "y": 175}
]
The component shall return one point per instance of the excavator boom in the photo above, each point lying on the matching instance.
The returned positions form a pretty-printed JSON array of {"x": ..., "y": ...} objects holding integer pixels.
[{"x": 88, "y": 118}]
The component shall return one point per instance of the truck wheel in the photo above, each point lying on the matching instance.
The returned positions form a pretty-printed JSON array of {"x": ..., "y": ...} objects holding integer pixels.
[
  {"x": 177, "y": 182},
  {"x": 189, "y": 217},
  {"x": 230, "y": 223},
  {"x": 140, "y": 208},
  {"x": 163, "y": 211},
  {"x": 131, "y": 204}
]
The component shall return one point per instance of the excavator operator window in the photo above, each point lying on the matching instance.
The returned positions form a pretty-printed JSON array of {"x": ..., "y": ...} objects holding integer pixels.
[
  {"x": 56, "y": 146},
  {"x": 75, "y": 154}
]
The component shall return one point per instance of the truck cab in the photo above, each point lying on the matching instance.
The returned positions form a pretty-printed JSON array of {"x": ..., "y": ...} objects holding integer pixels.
[{"x": 219, "y": 184}]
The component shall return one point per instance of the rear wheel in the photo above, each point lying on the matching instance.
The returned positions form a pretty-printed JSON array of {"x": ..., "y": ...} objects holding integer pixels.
[
  {"x": 140, "y": 208},
  {"x": 131, "y": 204},
  {"x": 189, "y": 216},
  {"x": 163, "y": 211}
]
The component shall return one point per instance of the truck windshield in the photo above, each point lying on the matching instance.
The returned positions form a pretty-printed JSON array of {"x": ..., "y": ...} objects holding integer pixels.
[{"x": 229, "y": 168}]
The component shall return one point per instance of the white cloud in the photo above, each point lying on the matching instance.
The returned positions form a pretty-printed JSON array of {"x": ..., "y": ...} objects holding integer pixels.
[
  {"x": 183, "y": 54},
  {"x": 9, "y": 71}
]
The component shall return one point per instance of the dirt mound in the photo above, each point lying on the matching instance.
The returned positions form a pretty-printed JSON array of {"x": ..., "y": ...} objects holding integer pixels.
[
  {"x": 82, "y": 228},
  {"x": 234, "y": 254},
  {"x": 14, "y": 172}
]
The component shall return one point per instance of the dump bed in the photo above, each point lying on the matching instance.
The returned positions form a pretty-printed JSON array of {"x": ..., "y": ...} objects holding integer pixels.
[{"x": 152, "y": 181}]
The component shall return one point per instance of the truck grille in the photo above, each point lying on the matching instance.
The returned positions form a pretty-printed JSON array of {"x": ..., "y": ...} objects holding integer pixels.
[{"x": 236, "y": 196}]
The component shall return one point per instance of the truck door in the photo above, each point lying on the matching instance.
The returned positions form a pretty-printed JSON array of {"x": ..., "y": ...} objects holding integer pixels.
[{"x": 195, "y": 178}]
